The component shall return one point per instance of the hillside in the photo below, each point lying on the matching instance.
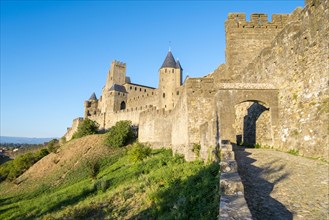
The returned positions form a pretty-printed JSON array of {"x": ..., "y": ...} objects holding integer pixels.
[{"x": 161, "y": 186}]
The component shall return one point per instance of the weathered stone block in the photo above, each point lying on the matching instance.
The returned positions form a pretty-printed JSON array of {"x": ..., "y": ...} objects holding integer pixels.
[
  {"x": 228, "y": 166},
  {"x": 234, "y": 207},
  {"x": 230, "y": 184},
  {"x": 226, "y": 155}
]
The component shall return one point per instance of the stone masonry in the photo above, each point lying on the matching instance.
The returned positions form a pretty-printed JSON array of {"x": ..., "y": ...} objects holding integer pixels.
[{"x": 273, "y": 90}]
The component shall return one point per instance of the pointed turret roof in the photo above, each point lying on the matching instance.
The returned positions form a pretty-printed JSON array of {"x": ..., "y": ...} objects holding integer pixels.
[
  {"x": 169, "y": 61},
  {"x": 93, "y": 97},
  {"x": 178, "y": 66}
]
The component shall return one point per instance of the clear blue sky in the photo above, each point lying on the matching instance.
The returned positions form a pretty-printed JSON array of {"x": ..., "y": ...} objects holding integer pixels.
[{"x": 54, "y": 54}]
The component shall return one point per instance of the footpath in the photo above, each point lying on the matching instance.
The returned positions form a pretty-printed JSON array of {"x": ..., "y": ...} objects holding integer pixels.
[{"x": 282, "y": 186}]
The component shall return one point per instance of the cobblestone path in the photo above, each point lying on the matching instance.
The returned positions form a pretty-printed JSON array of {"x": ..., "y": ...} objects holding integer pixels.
[{"x": 283, "y": 186}]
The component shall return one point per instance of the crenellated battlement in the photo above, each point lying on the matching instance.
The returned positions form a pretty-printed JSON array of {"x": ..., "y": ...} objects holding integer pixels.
[
  {"x": 257, "y": 20},
  {"x": 119, "y": 63}
]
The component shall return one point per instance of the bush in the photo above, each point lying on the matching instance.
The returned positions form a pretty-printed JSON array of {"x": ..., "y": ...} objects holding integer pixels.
[
  {"x": 53, "y": 145},
  {"x": 120, "y": 134},
  {"x": 139, "y": 152},
  {"x": 87, "y": 127},
  {"x": 12, "y": 169},
  {"x": 93, "y": 168},
  {"x": 196, "y": 149}
]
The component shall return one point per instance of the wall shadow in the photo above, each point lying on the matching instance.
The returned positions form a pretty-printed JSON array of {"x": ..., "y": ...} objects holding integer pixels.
[
  {"x": 257, "y": 189},
  {"x": 249, "y": 123}
]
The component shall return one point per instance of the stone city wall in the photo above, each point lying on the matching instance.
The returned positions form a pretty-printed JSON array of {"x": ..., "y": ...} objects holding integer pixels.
[
  {"x": 246, "y": 39},
  {"x": 70, "y": 131},
  {"x": 297, "y": 64}
]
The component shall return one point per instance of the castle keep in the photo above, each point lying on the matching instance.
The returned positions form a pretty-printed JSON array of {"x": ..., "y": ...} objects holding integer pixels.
[{"x": 272, "y": 90}]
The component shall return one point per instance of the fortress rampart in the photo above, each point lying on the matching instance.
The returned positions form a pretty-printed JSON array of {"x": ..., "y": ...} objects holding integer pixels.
[
  {"x": 297, "y": 64},
  {"x": 275, "y": 76}
]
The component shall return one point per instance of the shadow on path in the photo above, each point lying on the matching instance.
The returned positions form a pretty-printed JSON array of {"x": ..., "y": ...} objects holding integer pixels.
[{"x": 257, "y": 189}]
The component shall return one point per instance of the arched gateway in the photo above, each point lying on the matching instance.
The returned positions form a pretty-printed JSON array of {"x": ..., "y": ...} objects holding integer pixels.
[{"x": 228, "y": 97}]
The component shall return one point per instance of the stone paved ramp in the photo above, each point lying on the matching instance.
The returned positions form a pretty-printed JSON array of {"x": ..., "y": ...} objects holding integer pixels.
[{"x": 283, "y": 186}]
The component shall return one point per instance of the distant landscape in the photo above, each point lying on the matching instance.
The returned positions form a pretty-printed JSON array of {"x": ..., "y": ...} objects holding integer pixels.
[{"x": 24, "y": 140}]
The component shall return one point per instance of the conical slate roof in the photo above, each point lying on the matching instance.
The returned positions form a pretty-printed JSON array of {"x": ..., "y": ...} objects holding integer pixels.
[
  {"x": 169, "y": 61},
  {"x": 93, "y": 97},
  {"x": 178, "y": 66}
]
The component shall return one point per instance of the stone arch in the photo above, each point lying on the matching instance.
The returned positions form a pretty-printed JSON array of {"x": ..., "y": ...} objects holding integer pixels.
[
  {"x": 122, "y": 105},
  {"x": 252, "y": 123},
  {"x": 227, "y": 99}
]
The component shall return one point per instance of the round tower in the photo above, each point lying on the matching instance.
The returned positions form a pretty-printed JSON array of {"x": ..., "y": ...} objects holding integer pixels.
[{"x": 170, "y": 78}]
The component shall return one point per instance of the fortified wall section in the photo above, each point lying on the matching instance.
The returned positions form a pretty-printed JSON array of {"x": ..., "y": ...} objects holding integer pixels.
[
  {"x": 201, "y": 115},
  {"x": 297, "y": 64},
  {"x": 155, "y": 126},
  {"x": 245, "y": 40},
  {"x": 70, "y": 131}
]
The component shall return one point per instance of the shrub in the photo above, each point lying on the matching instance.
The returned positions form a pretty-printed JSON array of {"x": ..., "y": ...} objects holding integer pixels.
[
  {"x": 12, "y": 169},
  {"x": 92, "y": 167},
  {"x": 120, "y": 134},
  {"x": 196, "y": 149},
  {"x": 53, "y": 145},
  {"x": 293, "y": 152},
  {"x": 102, "y": 185},
  {"x": 139, "y": 152},
  {"x": 87, "y": 127}
]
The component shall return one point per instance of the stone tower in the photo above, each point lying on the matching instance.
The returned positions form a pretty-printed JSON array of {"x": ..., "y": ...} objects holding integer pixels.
[
  {"x": 114, "y": 94},
  {"x": 170, "y": 78},
  {"x": 116, "y": 75}
]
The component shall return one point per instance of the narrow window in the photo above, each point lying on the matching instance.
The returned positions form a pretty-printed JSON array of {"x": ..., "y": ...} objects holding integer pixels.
[
  {"x": 140, "y": 89},
  {"x": 172, "y": 71},
  {"x": 163, "y": 95},
  {"x": 165, "y": 70},
  {"x": 177, "y": 92},
  {"x": 135, "y": 88},
  {"x": 122, "y": 105}
]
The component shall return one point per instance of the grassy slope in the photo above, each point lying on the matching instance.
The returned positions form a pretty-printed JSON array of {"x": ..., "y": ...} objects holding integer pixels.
[{"x": 162, "y": 186}]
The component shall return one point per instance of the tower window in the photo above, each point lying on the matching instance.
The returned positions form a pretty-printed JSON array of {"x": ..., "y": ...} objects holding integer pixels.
[
  {"x": 131, "y": 87},
  {"x": 122, "y": 105},
  {"x": 177, "y": 92},
  {"x": 144, "y": 90},
  {"x": 165, "y": 70},
  {"x": 164, "y": 95},
  {"x": 172, "y": 71},
  {"x": 140, "y": 89},
  {"x": 135, "y": 88}
]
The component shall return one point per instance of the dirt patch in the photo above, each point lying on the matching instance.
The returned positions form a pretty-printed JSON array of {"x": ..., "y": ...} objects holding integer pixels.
[{"x": 56, "y": 165}]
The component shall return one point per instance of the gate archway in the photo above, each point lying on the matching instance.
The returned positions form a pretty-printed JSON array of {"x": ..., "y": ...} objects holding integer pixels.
[{"x": 228, "y": 98}]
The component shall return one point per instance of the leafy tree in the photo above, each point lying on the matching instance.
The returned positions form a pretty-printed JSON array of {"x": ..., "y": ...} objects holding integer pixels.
[
  {"x": 120, "y": 134},
  {"x": 87, "y": 127}
]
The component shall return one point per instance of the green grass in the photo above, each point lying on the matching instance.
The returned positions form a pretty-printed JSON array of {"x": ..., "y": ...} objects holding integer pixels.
[
  {"x": 160, "y": 186},
  {"x": 293, "y": 152}
]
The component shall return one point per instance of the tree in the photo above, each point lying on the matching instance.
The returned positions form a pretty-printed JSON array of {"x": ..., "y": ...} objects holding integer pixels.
[
  {"x": 120, "y": 134},
  {"x": 87, "y": 127}
]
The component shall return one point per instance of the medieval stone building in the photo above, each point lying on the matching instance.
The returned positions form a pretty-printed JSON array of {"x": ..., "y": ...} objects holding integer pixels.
[{"x": 272, "y": 90}]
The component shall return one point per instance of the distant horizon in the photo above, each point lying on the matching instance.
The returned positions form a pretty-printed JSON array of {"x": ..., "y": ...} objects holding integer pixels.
[
  {"x": 24, "y": 140},
  {"x": 55, "y": 54}
]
